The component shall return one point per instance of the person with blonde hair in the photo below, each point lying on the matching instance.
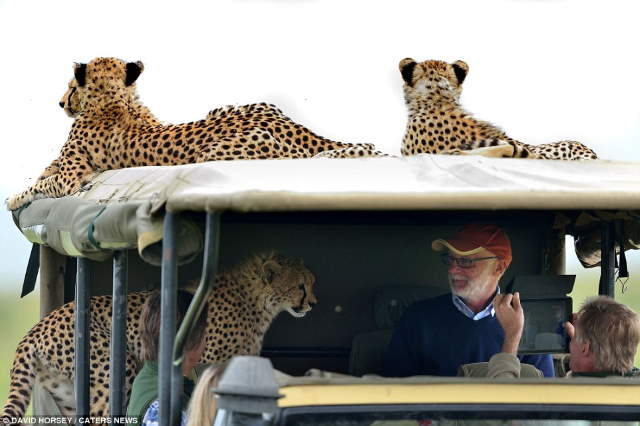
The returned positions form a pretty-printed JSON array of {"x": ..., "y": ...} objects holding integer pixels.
[
  {"x": 604, "y": 339},
  {"x": 202, "y": 407}
]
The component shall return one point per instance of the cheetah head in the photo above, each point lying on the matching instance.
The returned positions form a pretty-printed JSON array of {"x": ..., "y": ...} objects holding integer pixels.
[
  {"x": 432, "y": 80},
  {"x": 287, "y": 283},
  {"x": 101, "y": 80}
]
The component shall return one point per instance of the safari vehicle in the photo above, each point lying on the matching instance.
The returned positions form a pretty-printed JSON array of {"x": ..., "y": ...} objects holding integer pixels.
[{"x": 364, "y": 227}]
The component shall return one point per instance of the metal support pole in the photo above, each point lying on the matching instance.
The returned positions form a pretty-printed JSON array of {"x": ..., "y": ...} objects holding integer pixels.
[
  {"x": 607, "y": 260},
  {"x": 209, "y": 269},
  {"x": 81, "y": 341},
  {"x": 168, "y": 291},
  {"x": 118, "y": 335}
]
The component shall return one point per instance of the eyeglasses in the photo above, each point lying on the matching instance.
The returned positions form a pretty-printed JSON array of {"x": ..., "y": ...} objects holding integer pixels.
[{"x": 462, "y": 262}]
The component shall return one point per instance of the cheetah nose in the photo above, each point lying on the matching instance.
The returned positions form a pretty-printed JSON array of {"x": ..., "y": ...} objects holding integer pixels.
[{"x": 61, "y": 104}]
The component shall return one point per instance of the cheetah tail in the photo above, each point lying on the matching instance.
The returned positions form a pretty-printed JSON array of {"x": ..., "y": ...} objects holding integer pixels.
[{"x": 23, "y": 374}]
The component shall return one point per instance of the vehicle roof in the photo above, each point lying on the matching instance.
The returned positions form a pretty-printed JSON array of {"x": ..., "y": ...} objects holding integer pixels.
[
  {"x": 425, "y": 182},
  {"x": 123, "y": 208}
]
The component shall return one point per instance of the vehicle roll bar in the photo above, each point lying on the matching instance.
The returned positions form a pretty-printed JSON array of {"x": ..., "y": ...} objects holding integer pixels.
[
  {"x": 172, "y": 345},
  {"x": 118, "y": 349},
  {"x": 168, "y": 289},
  {"x": 81, "y": 343}
]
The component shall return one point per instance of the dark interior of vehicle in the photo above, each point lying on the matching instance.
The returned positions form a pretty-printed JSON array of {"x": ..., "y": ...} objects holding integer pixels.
[{"x": 368, "y": 265}]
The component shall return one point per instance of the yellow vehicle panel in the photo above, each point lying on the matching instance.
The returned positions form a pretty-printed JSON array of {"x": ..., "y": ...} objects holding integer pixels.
[{"x": 461, "y": 393}]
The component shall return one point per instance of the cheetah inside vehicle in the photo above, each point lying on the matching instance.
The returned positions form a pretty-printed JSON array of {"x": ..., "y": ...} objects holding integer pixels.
[{"x": 365, "y": 237}]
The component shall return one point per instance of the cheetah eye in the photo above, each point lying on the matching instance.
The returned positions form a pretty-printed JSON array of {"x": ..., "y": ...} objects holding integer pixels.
[{"x": 301, "y": 286}]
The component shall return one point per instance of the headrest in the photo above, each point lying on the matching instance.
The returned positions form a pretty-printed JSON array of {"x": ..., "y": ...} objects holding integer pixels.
[{"x": 390, "y": 302}]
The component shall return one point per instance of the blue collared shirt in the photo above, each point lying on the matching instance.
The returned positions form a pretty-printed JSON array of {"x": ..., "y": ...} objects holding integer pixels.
[{"x": 462, "y": 307}]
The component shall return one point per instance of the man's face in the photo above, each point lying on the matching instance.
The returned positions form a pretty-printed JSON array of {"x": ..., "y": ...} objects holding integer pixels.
[
  {"x": 580, "y": 360},
  {"x": 479, "y": 280}
]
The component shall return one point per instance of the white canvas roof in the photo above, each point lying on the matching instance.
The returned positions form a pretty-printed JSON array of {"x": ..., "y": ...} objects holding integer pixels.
[
  {"x": 124, "y": 208},
  {"x": 432, "y": 182}
]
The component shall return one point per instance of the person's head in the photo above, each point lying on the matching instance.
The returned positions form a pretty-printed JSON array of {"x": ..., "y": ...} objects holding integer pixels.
[
  {"x": 607, "y": 334},
  {"x": 476, "y": 257},
  {"x": 202, "y": 406},
  {"x": 150, "y": 329}
]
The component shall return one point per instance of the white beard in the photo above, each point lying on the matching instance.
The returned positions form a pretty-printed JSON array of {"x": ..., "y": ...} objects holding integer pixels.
[{"x": 472, "y": 289}]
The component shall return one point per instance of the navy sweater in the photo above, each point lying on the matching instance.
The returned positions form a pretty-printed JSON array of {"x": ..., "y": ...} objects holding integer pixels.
[{"x": 434, "y": 338}]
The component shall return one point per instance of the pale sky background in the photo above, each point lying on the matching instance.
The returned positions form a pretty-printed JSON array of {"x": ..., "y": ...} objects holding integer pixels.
[{"x": 543, "y": 70}]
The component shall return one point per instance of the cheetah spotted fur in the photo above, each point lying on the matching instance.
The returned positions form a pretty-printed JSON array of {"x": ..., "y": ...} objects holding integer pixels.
[
  {"x": 438, "y": 123},
  {"x": 111, "y": 131},
  {"x": 243, "y": 301}
]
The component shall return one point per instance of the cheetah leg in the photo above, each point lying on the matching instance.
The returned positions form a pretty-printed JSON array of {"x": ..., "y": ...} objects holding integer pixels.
[
  {"x": 60, "y": 387},
  {"x": 522, "y": 150},
  {"x": 497, "y": 151},
  {"x": 75, "y": 171},
  {"x": 22, "y": 376},
  {"x": 98, "y": 378},
  {"x": 51, "y": 169}
]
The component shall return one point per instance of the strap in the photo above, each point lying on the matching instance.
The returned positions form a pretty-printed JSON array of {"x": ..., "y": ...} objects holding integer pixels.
[
  {"x": 31, "y": 273},
  {"x": 91, "y": 229},
  {"x": 623, "y": 271}
]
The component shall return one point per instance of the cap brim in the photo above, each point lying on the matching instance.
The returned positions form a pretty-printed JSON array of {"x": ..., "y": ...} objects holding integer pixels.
[{"x": 441, "y": 245}]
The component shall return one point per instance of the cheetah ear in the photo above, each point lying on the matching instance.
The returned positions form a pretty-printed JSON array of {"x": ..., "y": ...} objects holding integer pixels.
[
  {"x": 269, "y": 269},
  {"x": 460, "y": 68},
  {"x": 134, "y": 69},
  {"x": 80, "y": 73},
  {"x": 406, "y": 69}
]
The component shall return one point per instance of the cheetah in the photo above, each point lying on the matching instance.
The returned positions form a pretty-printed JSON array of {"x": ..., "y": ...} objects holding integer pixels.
[
  {"x": 438, "y": 123},
  {"x": 112, "y": 131},
  {"x": 70, "y": 103},
  {"x": 243, "y": 301}
]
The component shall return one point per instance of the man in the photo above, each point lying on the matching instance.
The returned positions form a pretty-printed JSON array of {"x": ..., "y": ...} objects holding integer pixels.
[
  {"x": 604, "y": 338},
  {"x": 437, "y": 335}
]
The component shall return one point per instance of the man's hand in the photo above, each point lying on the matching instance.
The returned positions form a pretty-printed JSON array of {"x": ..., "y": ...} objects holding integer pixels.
[
  {"x": 511, "y": 317},
  {"x": 570, "y": 329}
]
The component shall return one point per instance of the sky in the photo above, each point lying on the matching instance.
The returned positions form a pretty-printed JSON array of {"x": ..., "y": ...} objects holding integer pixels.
[{"x": 543, "y": 70}]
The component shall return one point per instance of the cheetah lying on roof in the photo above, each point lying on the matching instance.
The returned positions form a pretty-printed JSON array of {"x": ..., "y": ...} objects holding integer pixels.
[
  {"x": 242, "y": 303},
  {"x": 438, "y": 123},
  {"x": 112, "y": 130}
]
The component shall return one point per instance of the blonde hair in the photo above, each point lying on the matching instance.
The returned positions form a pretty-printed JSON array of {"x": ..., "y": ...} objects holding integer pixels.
[
  {"x": 613, "y": 332},
  {"x": 202, "y": 406}
]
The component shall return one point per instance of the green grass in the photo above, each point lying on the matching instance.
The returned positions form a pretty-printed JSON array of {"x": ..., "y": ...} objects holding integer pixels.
[{"x": 17, "y": 316}]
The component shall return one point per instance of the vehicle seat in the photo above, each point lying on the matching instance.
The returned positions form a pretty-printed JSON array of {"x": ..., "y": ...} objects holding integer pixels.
[{"x": 389, "y": 303}]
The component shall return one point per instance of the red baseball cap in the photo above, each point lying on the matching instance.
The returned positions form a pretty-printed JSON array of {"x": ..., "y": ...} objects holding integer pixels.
[{"x": 472, "y": 238}]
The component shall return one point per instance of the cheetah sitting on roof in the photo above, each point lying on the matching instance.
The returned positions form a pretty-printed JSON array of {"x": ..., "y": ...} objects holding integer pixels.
[
  {"x": 438, "y": 123},
  {"x": 112, "y": 131},
  {"x": 242, "y": 301}
]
